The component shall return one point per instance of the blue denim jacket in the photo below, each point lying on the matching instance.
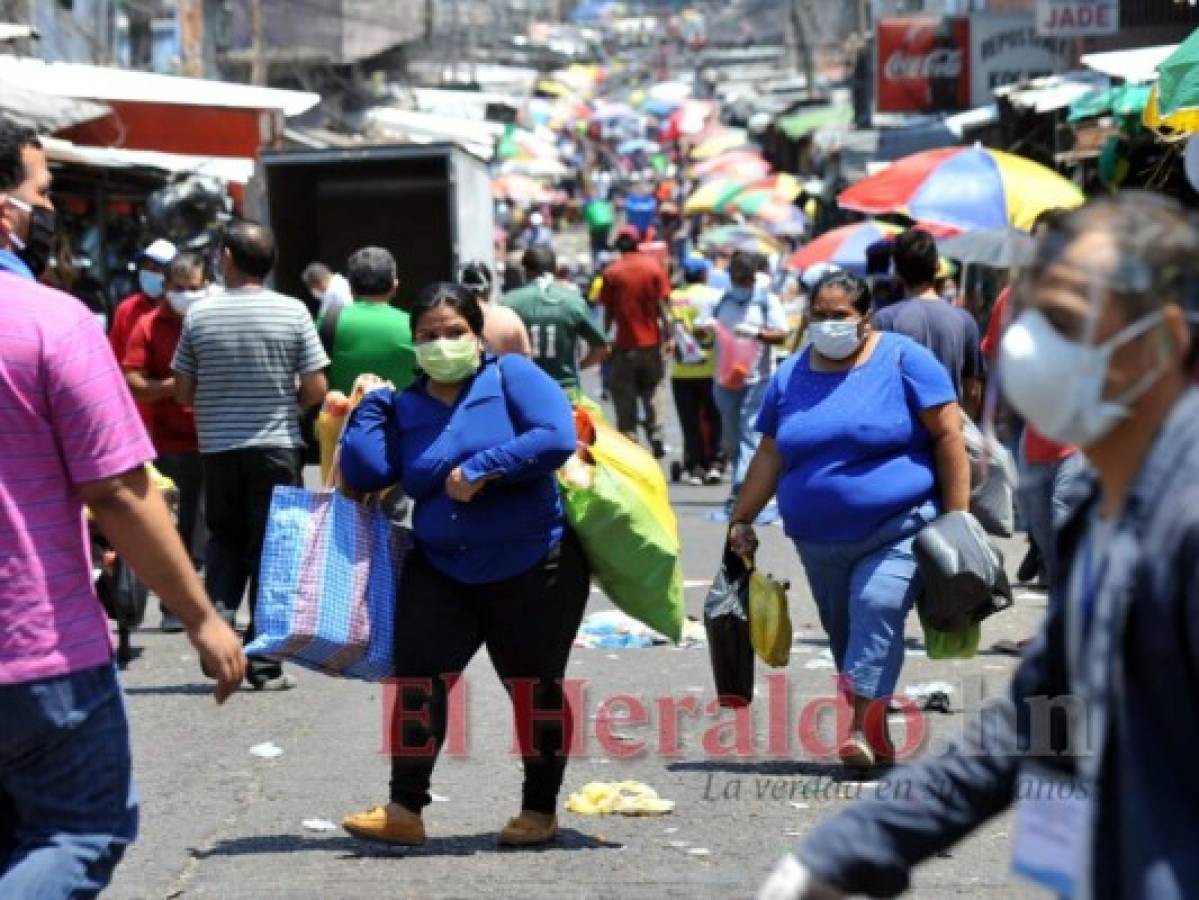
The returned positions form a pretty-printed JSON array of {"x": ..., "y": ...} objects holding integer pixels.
[{"x": 1144, "y": 694}]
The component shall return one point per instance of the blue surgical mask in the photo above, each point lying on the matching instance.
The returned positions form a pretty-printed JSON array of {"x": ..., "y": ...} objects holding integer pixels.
[{"x": 151, "y": 283}]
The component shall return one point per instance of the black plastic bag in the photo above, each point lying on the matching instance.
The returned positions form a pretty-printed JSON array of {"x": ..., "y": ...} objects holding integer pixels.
[
  {"x": 962, "y": 573},
  {"x": 123, "y": 595},
  {"x": 726, "y": 620}
]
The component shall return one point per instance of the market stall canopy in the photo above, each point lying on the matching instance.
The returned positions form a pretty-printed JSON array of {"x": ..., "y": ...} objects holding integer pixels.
[
  {"x": 423, "y": 128},
  {"x": 1134, "y": 66},
  {"x": 964, "y": 188},
  {"x": 1052, "y": 92},
  {"x": 46, "y": 112},
  {"x": 225, "y": 168},
  {"x": 1122, "y": 101},
  {"x": 81, "y": 82}
]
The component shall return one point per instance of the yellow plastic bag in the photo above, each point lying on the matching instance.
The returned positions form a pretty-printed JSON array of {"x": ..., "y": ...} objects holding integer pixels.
[
  {"x": 769, "y": 619},
  {"x": 625, "y": 798}
]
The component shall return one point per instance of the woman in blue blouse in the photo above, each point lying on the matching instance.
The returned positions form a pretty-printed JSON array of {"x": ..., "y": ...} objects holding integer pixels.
[
  {"x": 475, "y": 443},
  {"x": 862, "y": 441}
]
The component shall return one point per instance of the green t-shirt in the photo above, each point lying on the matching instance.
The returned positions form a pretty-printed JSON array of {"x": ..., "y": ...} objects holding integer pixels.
[
  {"x": 557, "y": 317},
  {"x": 374, "y": 338}
]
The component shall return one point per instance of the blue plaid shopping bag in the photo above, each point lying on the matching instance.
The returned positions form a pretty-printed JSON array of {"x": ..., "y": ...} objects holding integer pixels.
[{"x": 327, "y": 585}]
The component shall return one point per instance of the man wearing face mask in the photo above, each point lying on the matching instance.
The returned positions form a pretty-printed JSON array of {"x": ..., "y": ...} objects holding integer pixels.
[
  {"x": 1099, "y": 722},
  {"x": 241, "y": 356},
  {"x": 151, "y": 281},
  {"x": 71, "y": 439},
  {"x": 172, "y": 427}
]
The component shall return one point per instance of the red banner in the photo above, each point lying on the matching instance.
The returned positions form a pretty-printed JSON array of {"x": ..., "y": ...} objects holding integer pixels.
[{"x": 923, "y": 64}]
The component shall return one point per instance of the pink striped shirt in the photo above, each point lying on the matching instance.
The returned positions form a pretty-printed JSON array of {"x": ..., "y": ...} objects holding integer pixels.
[{"x": 66, "y": 418}]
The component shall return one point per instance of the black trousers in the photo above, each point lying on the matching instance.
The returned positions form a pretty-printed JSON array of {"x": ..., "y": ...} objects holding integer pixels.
[
  {"x": 237, "y": 489},
  {"x": 187, "y": 471},
  {"x": 528, "y": 624},
  {"x": 699, "y": 420}
]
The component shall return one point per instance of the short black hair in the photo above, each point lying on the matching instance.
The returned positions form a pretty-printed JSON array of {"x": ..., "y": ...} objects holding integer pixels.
[
  {"x": 313, "y": 271},
  {"x": 371, "y": 272},
  {"x": 626, "y": 243},
  {"x": 184, "y": 264},
  {"x": 539, "y": 261},
  {"x": 252, "y": 247},
  {"x": 916, "y": 258},
  {"x": 477, "y": 276},
  {"x": 13, "y": 139},
  {"x": 456, "y": 297},
  {"x": 742, "y": 268},
  {"x": 857, "y": 289}
]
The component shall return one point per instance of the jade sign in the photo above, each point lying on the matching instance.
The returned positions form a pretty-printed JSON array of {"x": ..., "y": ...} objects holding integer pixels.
[{"x": 1077, "y": 18}]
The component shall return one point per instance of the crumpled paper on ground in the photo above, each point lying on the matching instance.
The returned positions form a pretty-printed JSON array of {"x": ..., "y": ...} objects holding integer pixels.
[{"x": 624, "y": 798}]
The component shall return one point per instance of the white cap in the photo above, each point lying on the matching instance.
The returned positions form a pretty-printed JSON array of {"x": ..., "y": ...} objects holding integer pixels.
[
  {"x": 536, "y": 219},
  {"x": 813, "y": 274},
  {"x": 161, "y": 251}
]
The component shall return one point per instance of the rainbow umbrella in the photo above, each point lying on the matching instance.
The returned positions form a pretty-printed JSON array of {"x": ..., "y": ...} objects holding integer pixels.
[
  {"x": 743, "y": 163},
  {"x": 764, "y": 192},
  {"x": 844, "y": 247},
  {"x": 740, "y": 237},
  {"x": 711, "y": 195},
  {"x": 721, "y": 141},
  {"x": 964, "y": 188}
]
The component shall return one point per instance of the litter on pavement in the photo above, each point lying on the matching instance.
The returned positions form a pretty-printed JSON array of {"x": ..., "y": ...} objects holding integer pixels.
[
  {"x": 613, "y": 630},
  {"x": 932, "y": 696},
  {"x": 318, "y": 825},
  {"x": 624, "y": 798},
  {"x": 266, "y": 750}
]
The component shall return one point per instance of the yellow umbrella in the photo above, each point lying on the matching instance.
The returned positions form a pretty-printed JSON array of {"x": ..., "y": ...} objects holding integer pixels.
[{"x": 722, "y": 141}]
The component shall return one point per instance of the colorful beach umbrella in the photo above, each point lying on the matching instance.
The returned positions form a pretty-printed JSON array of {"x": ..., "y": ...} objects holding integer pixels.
[
  {"x": 740, "y": 237},
  {"x": 964, "y": 188},
  {"x": 721, "y": 141},
  {"x": 744, "y": 163},
  {"x": 844, "y": 247},
  {"x": 710, "y": 195},
  {"x": 520, "y": 189},
  {"x": 775, "y": 189}
]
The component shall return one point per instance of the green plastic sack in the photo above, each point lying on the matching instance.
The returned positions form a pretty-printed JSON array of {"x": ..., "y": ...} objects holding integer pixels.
[
  {"x": 622, "y": 517},
  {"x": 951, "y": 644}
]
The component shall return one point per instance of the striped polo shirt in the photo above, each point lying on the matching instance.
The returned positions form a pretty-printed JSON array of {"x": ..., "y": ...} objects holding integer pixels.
[
  {"x": 66, "y": 418},
  {"x": 246, "y": 349}
]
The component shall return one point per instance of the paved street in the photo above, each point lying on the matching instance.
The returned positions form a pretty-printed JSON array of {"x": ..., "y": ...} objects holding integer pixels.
[{"x": 220, "y": 822}]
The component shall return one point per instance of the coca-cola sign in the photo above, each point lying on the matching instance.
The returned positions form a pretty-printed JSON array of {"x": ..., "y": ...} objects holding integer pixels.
[{"x": 923, "y": 64}]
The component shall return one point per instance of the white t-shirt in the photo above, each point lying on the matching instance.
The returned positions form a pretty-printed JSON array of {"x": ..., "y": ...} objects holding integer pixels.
[{"x": 336, "y": 294}]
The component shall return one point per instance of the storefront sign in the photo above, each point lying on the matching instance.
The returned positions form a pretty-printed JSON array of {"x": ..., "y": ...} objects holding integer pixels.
[
  {"x": 1077, "y": 18},
  {"x": 1005, "y": 48},
  {"x": 923, "y": 64}
]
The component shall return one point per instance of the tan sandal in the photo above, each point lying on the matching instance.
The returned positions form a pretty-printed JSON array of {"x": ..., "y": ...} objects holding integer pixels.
[{"x": 529, "y": 829}]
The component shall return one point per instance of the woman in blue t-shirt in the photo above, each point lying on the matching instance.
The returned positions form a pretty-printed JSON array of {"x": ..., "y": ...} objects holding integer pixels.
[{"x": 862, "y": 441}]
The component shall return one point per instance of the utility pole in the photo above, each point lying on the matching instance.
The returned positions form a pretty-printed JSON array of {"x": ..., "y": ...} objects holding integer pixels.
[
  {"x": 258, "y": 44},
  {"x": 803, "y": 47}
]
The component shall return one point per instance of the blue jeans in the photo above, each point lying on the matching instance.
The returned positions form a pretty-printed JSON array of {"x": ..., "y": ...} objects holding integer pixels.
[
  {"x": 738, "y": 415},
  {"x": 67, "y": 803},
  {"x": 863, "y": 591}
]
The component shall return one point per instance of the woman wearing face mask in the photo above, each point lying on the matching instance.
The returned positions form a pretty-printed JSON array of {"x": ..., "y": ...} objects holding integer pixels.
[
  {"x": 862, "y": 441},
  {"x": 475, "y": 442}
]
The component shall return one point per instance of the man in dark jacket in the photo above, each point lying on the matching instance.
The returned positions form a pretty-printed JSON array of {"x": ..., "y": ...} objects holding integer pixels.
[{"x": 1097, "y": 740}]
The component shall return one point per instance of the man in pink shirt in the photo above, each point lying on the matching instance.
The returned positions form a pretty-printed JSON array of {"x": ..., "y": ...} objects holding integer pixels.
[{"x": 70, "y": 436}]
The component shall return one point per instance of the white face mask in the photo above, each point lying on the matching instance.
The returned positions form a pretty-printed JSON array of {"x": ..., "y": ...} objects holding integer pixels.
[
  {"x": 835, "y": 339},
  {"x": 181, "y": 301},
  {"x": 1057, "y": 384}
]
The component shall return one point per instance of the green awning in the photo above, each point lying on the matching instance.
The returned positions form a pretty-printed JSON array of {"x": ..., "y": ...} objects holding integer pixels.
[
  {"x": 802, "y": 123},
  {"x": 1122, "y": 101}
]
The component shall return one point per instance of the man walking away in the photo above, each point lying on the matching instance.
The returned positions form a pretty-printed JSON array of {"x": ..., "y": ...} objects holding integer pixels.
[
  {"x": 239, "y": 358},
  {"x": 503, "y": 330},
  {"x": 691, "y": 375},
  {"x": 369, "y": 335},
  {"x": 71, "y": 437},
  {"x": 634, "y": 296},
  {"x": 147, "y": 365},
  {"x": 948, "y": 331},
  {"x": 557, "y": 319},
  {"x": 328, "y": 288}
]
